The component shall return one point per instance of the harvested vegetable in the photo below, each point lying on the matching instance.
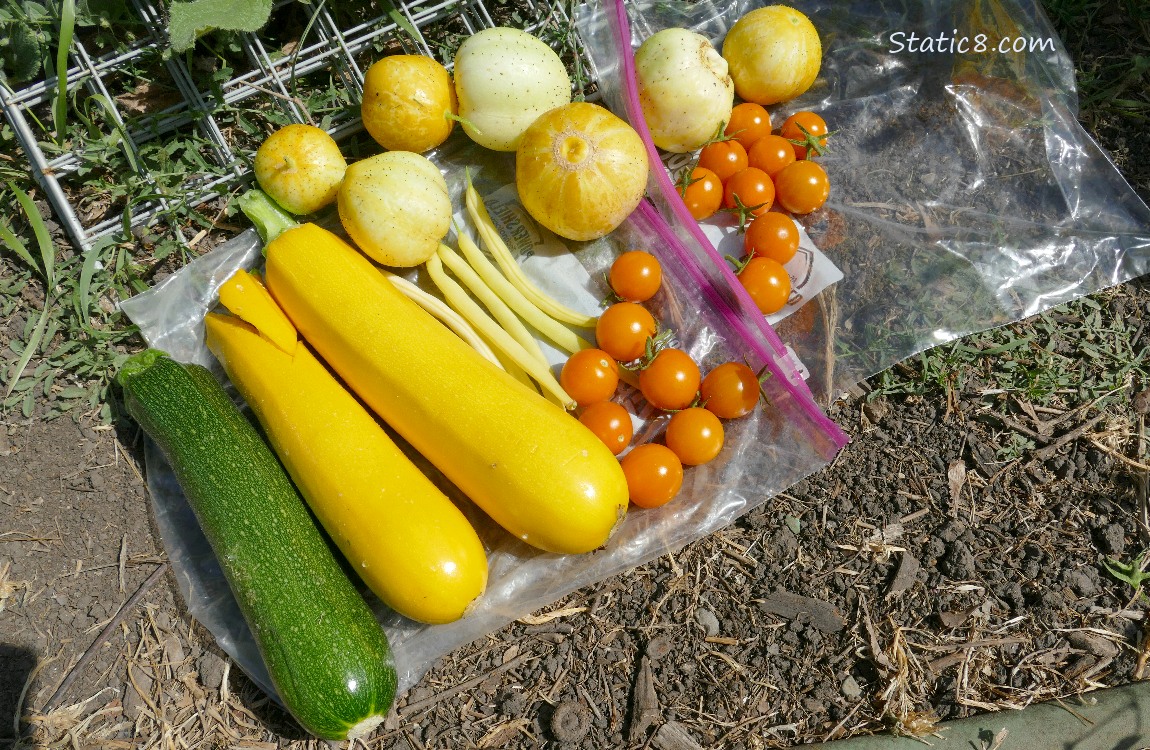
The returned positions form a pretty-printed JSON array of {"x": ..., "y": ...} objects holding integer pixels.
[
  {"x": 731, "y": 390},
  {"x": 684, "y": 89},
  {"x": 771, "y": 154},
  {"x": 611, "y": 423},
  {"x": 325, "y": 652},
  {"x": 580, "y": 170},
  {"x": 559, "y": 335},
  {"x": 749, "y": 124},
  {"x": 395, "y": 207},
  {"x": 670, "y": 381},
  {"x": 772, "y": 235},
  {"x": 654, "y": 474},
  {"x": 774, "y": 54},
  {"x": 536, "y": 367},
  {"x": 445, "y": 314},
  {"x": 505, "y": 78},
  {"x": 635, "y": 276},
  {"x": 271, "y": 221},
  {"x": 300, "y": 167},
  {"x": 723, "y": 157},
  {"x": 767, "y": 282},
  {"x": 624, "y": 329},
  {"x": 695, "y": 435},
  {"x": 495, "y": 245},
  {"x": 499, "y": 309},
  {"x": 807, "y": 132},
  {"x": 536, "y": 471},
  {"x": 750, "y": 192},
  {"x": 702, "y": 193},
  {"x": 802, "y": 187},
  {"x": 409, "y": 543},
  {"x": 590, "y": 376},
  {"x": 408, "y": 103}
]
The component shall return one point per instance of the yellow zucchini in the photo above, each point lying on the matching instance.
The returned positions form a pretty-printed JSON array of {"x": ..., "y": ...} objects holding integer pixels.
[
  {"x": 407, "y": 541},
  {"x": 532, "y": 467}
]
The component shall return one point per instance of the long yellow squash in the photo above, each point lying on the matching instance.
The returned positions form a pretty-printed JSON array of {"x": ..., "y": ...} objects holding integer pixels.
[
  {"x": 533, "y": 468},
  {"x": 407, "y": 541}
]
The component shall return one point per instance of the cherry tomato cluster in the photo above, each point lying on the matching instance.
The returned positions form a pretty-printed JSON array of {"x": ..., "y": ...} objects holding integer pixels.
[
  {"x": 627, "y": 334},
  {"x": 751, "y": 170}
]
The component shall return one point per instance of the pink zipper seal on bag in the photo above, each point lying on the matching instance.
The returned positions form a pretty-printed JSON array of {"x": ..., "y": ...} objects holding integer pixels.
[{"x": 766, "y": 344}]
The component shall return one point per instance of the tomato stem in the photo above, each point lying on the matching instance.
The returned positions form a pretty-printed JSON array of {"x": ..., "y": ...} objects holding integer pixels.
[
  {"x": 816, "y": 143},
  {"x": 745, "y": 213}
]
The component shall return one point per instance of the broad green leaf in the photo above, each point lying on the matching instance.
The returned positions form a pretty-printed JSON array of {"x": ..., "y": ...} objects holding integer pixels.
[{"x": 189, "y": 20}]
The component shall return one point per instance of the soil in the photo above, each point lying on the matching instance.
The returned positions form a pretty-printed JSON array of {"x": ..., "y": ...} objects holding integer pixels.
[{"x": 926, "y": 574}]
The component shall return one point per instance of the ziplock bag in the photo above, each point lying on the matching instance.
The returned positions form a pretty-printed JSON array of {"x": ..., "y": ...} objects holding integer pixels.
[
  {"x": 772, "y": 448},
  {"x": 964, "y": 193}
]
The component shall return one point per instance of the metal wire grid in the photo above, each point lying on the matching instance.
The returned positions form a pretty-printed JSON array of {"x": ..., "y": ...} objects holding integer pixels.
[{"x": 342, "y": 52}]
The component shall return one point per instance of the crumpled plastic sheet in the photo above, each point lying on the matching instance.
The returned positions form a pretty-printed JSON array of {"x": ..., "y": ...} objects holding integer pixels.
[
  {"x": 964, "y": 193},
  {"x": 765, "y": 452}
]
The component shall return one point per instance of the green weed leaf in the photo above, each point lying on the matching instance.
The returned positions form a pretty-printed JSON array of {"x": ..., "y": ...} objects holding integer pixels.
[
  {"x": 190, "y": 20},
  {"x": 60, "y": 106}
]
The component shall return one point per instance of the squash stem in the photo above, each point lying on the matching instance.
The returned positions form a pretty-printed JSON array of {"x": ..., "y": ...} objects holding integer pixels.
[
  {"x": 269, "y": 219},
  {"x": 138, "y": 363}
]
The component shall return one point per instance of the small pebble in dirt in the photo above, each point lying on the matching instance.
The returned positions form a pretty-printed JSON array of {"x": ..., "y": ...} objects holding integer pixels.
[
  {"x": 958, "y": 562},
  {"x": 851, "y": 689},
  {"x": 513, "y": 704},
  {"x": 1112, "y": 539},
  {"x": 658, "y": 647},
  {"x": 1080, "y": 582},
  {"x": 570, "y": 722},
  {"x": 211, "y": 670},
  {"x": 707, "y": 620}
]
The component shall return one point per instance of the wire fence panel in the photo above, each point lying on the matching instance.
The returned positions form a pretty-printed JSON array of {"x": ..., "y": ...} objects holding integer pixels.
[{"x": 127, "y": 107}]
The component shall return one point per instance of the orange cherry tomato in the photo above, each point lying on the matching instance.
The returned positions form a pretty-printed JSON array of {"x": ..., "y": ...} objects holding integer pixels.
[
  {"x": 704, "y": 194},
  {"x": 752, "y": 188},
  {"x": 589, "y": 376},
  {"x": 623, "y": 329},
  {"x": 654, "y": 474},
  {"x": 810, "y": 132},
  {"x": 671, "y": 380},
  {"x": 772, "y": 235},
  {"x": 636, "y": 275},
  {"x": 771, "y": 153},
  {"x": 731, "y": 390},
  {"x": 611, "y": 424},
  {"x": 695, "y": 435},
  {"x": 749, "y": 122},
  {"x": 767, "y": 282},
  {"x": 802, "y": 187},
  {"x": 723, "y": 158}
]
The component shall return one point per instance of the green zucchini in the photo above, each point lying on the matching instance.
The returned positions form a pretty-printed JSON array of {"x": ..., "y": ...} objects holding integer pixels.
[{"x": 326, "y": 653}]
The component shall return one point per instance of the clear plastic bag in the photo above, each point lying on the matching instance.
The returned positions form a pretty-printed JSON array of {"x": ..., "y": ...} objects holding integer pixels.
[
  {"x": 765, "y": 452},
  {"x": 964, "y": 193}
]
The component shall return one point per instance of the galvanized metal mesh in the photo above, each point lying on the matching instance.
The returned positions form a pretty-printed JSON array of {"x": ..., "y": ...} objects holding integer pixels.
[{"x": 329, "y": 57}]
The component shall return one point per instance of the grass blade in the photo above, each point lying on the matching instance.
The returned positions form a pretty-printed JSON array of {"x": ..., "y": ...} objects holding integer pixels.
[
  {"x": 30, "y": 349},
  {"x": 40, "y": 229},
  {"x": 67, "y": 28},
  {"x": 83, "y": 297},
  {"x": 16, "y": 245}
]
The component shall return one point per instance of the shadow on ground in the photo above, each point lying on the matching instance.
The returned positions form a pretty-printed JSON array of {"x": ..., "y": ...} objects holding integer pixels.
[{"x": 16, "y": 664}]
